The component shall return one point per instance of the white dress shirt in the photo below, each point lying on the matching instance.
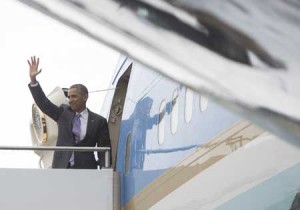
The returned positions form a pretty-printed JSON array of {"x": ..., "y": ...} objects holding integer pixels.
[
  {"x": 83, "y": 122},
  {"x": 83, "y": 125}
]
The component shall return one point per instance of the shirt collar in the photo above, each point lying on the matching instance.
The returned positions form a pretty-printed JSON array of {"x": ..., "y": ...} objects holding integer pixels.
[{"x": 84, "y": 114}]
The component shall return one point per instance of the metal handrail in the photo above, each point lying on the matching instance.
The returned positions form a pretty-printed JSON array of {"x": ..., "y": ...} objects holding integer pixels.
[
  {"x": 55, "y": 148},
  {"x": 64, "y": 148}
]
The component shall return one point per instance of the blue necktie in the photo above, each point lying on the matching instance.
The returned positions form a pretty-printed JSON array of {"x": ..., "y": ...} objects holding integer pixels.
[{"x": 76, "y": 127}]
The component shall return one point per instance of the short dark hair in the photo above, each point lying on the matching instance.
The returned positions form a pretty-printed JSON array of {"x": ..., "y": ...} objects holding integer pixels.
[{"x": 83, "y": 89}]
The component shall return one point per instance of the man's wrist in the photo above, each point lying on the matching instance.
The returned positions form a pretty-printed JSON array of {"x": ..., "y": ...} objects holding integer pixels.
[{"x": 34, "y": 84}]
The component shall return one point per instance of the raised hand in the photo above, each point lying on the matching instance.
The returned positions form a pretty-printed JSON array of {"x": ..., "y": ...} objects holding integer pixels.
[{"x": 33, "y": 69}]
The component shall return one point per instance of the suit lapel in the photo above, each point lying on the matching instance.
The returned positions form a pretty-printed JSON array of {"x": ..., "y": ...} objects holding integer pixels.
[
  {"x": 90, "y": 124},
  {"x": 71, "y": 116}
]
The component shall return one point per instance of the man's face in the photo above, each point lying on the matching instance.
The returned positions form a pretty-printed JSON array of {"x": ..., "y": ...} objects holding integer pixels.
[{"x": 77, "y": 99}]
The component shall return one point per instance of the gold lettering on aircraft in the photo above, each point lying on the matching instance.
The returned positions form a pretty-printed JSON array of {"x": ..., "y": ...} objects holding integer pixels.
[{"x": 204, "y": 157}]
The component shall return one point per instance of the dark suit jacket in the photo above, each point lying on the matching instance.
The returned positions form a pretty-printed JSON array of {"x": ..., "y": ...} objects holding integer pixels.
[{"x": 96, "y": 134}]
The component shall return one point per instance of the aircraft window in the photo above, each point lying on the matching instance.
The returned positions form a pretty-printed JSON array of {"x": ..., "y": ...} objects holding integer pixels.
[
  {"x": 174, "y": 113},
  {"x": 128, "y": 153},
  {"x": 188, "y": 108},
  {"x": 161, "y": 122},
  {"x": 203, "y": 102}
]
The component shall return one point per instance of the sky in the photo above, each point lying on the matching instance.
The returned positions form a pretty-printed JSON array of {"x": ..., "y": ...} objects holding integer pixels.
[{"x": 66, "y": 57}]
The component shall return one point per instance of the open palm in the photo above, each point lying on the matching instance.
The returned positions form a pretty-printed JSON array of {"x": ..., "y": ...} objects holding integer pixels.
[{"x": 33, "y": 68}]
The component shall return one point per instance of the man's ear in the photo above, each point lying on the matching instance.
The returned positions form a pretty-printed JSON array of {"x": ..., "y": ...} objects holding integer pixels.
[{"x": 85, "y": 97}]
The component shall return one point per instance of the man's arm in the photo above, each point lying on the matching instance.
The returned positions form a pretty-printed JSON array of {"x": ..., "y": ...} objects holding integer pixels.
[{"x": 38, "y": 94}]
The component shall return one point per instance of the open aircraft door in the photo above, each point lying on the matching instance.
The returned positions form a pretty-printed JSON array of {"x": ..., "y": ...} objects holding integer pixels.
[{"x": 44, "y": 129}]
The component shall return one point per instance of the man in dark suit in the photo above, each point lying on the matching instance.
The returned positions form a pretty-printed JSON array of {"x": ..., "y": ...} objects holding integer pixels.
[{"x": 87, "y": 129}]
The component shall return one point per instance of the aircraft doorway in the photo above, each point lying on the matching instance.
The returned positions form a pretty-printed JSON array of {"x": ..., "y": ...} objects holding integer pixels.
[{"x": 116, "y": 112}]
